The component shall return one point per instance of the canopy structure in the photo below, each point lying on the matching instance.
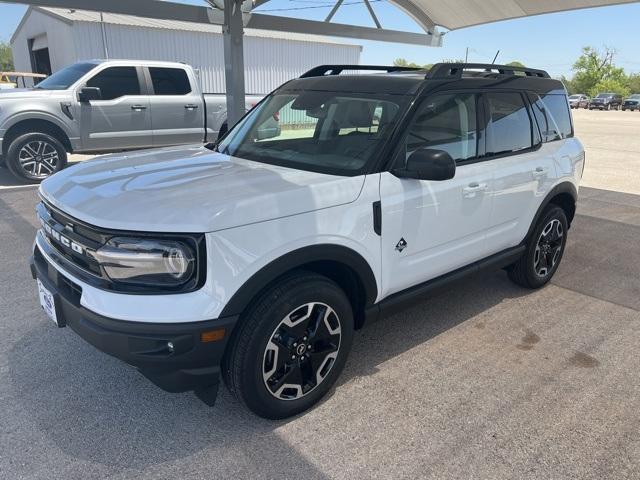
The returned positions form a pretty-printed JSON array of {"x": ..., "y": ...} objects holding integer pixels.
[{"x": 235, "y": 15}]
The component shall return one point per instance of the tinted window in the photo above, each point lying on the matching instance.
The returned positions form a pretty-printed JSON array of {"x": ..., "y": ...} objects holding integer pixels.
[
  {"x": 115, "y": 82},
  {"x": 445, "y": 122},
  {"x": 169, "y": 81},
  {"x": 63, "y": 79},
  {"x": 553, "y": 117},
  {"x": 509, "y": 129}
]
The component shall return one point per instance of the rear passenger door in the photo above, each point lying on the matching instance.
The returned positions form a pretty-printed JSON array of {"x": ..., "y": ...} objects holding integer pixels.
[
  {"x": 523, "y": 170},
  {"x": 430, "y": 228},
  {"x": 177, "y": 108}
]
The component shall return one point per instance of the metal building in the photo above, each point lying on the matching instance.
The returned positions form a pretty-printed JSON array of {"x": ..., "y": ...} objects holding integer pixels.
[{"x": 48, "y": 39}]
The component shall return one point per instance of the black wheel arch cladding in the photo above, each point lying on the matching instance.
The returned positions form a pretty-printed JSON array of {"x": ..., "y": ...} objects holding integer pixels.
[{"x": 341, "y": 264}]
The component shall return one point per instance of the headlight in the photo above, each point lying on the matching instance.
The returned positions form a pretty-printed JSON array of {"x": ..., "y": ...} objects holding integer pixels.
[{"x": 147, "y": 262}]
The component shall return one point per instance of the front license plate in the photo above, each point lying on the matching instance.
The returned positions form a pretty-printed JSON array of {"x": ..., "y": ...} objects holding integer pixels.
[{"x": 47, "y": 302}]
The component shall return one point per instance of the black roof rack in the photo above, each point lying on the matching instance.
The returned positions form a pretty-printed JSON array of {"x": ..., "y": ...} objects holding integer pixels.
[
  {"x": 452, "y": 71},
  {"x": 322, "y": 70}
]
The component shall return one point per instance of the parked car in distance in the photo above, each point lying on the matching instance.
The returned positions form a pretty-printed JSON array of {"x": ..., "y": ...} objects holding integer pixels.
[
  {"x": 579, "y": 100},
  {"x": 632, "y": 102},
  {"x": 104, "y": 106},
  {"x": 257, "y": 258},
  {"x": 606, "y": 101}
]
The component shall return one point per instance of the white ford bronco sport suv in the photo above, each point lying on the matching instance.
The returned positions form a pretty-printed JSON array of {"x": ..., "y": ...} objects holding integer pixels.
[{"x": 257, "y": 257}]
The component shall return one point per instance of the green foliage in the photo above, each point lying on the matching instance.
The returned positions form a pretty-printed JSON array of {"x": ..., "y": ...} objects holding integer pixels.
[
  {"x": 634, "y": 83},
  {"x": 6, "y": 57},
  {"x": 610, "y": 85},
  {"x": 515, "y": 63}
]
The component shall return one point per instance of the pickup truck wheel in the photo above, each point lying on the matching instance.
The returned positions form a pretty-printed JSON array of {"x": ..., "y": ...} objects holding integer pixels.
[
  {"x": 32, "y": 157},
  {"x": 290, "y": 346},
  {"x": 544, "y": 250}
]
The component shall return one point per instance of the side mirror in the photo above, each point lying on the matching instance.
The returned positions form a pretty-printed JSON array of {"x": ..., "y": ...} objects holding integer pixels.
[
  {"x": 428, "y": 164},
  {"x": 269, "y": 129},
  {"x": 89, "y": 93}
]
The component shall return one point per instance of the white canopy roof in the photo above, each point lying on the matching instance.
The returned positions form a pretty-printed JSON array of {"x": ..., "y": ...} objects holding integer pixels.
[{"x": 454, "y": 14}]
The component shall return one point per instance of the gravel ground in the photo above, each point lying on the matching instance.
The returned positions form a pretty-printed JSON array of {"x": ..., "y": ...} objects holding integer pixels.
[{"x": 483, "y": 380}]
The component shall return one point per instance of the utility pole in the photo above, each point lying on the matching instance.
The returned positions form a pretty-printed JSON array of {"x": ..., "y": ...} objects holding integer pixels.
[{"x": 466, "y": 55}]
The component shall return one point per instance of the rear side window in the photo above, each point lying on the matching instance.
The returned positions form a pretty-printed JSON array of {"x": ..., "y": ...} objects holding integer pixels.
[
  {"x": 510, "y": 128},
  {"x": 115, "y": 82},
  {"x": 445, "y": 122},
  {"x": 553, "y": 117},
  {"x": 169, "y": 81}
]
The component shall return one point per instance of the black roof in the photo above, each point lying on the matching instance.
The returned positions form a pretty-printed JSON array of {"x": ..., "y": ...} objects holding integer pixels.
[{"x": 409, "y": 81}]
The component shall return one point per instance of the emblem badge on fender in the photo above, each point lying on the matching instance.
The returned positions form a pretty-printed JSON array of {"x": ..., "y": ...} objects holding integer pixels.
[{"x": 401, "y": 245}]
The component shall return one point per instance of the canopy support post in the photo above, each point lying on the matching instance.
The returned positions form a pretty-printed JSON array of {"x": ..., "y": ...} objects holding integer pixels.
[{"x": 232, "y": 32}]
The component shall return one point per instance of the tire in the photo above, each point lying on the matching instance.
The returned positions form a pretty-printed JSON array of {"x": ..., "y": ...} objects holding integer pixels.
[
  {"x": 32, "y": 157},
  {"x": 269, "y": 366},
  {"x": 529, "y": 270},
  {"x": 608, "y": 107}
]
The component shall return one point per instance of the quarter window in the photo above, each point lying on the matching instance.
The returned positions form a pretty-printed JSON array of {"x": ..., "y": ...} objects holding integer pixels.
[
  {"x": 552, "y": 114},
  {"x": 169, "y": 81},
  {"x": 445, "y": 122},
  {"x": 509, "y": 128},
  {"x": 115, "y": 82}
]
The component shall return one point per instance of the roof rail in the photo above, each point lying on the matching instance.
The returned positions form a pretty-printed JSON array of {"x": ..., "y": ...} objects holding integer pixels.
[
  {"x": 452, "y": 71},
  {"x": 322, "y": 70}
]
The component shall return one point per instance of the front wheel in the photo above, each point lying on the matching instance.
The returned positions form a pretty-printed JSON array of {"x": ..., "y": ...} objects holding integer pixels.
[
  {"x": 32, "y": 157},
  {"x": 290, "y": 346},
  {"x": 544, "y": 251}
]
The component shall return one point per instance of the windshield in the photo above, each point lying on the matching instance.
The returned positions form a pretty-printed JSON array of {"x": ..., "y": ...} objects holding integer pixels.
[
  {"x": 63, "y": 79},
  {"x": 635, "y": 96},
  {"x": 575, "y": 97},
  {"x": 604, "y": 95},
  {"x": 329, "y": 132}
]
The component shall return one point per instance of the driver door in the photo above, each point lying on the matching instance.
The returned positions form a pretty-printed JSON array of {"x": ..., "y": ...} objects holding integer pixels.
[
  {"x": 122, "y": 118},
  {"x": 430, "y": 228}
]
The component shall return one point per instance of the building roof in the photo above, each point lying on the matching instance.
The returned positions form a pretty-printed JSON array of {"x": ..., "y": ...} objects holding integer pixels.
[{"x": 72, "y": 15}]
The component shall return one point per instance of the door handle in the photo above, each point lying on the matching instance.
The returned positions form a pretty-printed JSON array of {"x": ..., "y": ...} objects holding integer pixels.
[
  {"x": 191, "y": 106},
  {"x": 138, "y": 108},
  {"x": 472, "y": 189},
  {"x": 540, "y": 172}
]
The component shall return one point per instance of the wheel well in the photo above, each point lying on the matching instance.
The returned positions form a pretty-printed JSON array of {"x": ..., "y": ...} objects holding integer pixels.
[
  {"x": 348, "y": 280},
  {"x": 42, "y": 126},
  {"x": 565, "y": 201}
]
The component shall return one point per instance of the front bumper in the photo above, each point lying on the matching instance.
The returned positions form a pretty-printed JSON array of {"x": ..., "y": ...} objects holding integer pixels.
[{"x": 173, "y": 356}]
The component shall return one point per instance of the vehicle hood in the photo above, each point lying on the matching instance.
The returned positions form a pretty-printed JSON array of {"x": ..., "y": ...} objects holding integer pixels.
[
  {"x": 189, "y": 189},
  {"x": 16, "y": 93}
]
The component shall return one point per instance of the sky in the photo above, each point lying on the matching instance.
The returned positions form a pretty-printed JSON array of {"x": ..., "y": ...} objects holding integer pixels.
[{"x": 551, "y": 42}]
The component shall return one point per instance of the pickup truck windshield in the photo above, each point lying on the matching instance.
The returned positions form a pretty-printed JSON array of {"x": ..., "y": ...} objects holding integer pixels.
[
  {"x": 328, "y": 132},
  {"x": 63, "y": 79},
  {"x": 605, "y": 95}
]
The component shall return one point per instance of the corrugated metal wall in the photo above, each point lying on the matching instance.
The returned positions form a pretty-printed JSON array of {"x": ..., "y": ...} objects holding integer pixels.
[{"x": 269, "y": 62}]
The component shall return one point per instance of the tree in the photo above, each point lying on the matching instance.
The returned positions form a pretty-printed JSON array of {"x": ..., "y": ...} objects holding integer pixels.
[
  {"x": 634, "y": 83},
  {"x": 6, "y": 57},
  {"x": 515, "y": 63},
  {"x": 612, "y": 85},
  {"x": 595, "y": 69}
]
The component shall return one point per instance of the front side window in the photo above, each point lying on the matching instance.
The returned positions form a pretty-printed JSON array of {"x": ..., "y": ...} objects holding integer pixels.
[
  {"x": 509, "y": 128},
  {"x": 445, "y": 122},
  {"x": 169, "y": 81},
  {"x": 327, "y": 132},
  {"x": 116, "y": 82}
]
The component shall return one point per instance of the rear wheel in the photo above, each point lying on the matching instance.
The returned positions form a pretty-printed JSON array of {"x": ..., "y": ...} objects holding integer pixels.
[
  {"x": 290, "y": 346},
  {"x": 544, "y": 250},
  {"x": 32, "y": 157}
]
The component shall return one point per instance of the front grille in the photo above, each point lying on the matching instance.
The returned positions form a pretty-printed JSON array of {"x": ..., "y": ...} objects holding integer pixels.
[{"x": 73, "y": 242}]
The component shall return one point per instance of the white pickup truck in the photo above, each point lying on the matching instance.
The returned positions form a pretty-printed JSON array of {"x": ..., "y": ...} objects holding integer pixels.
[{"x": 104, "y": 106}]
